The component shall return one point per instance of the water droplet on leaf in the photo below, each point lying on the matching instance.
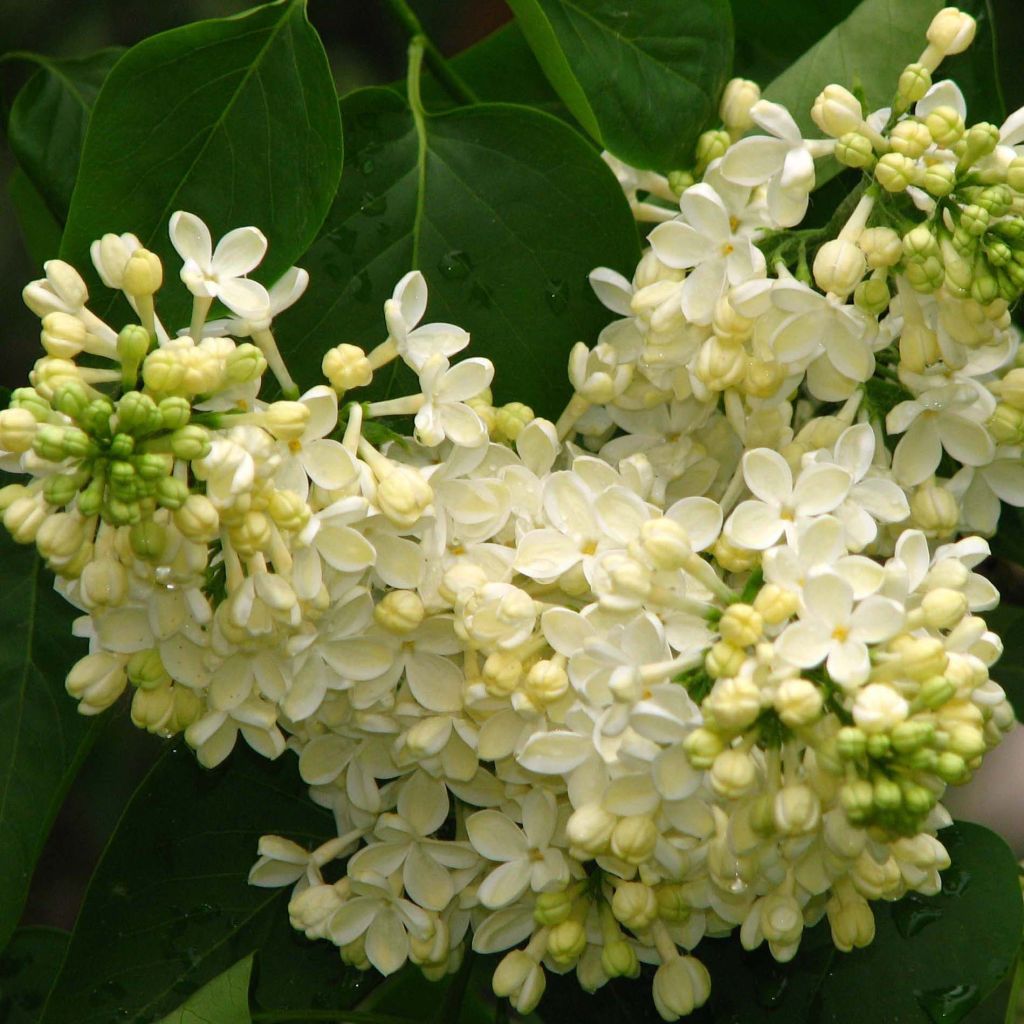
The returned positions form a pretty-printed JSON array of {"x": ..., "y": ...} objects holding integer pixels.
[
  {"x": 454, "y": 265},
  {"x": 557, "y": 295},
  {"x": 948, "y": 1004}
]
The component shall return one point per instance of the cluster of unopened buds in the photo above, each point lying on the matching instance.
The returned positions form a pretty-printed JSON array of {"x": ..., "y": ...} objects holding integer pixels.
[{"x": 702, "y": 655}]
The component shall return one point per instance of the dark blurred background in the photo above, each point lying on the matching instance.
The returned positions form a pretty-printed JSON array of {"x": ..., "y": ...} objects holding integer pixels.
[{"x": 366, "y": 46}]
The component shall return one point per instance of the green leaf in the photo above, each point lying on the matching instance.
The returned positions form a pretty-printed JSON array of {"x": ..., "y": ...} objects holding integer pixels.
[
  {"x": 505, "y": 210},
  {"x": 643, "y": 78},
  {"x": 225, "y": 1000},
  {"x": 43, "y": 739},
  {"x": 168, "y": 908},
  {"x": 934, "y": 958},
  {"x": 49, "y": 117},
  {"x": 39, "y": 231},
  {"x": 234, "y": 119},
  {"x": 769, "y": 37},
  {"x": 870, "y": 48},
  {"x": 27, "y": 969},
  {"x": 499, "y": 69}
]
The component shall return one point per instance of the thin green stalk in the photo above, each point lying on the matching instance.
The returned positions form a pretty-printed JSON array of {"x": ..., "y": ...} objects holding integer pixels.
[{"x": 456, "y": 87}]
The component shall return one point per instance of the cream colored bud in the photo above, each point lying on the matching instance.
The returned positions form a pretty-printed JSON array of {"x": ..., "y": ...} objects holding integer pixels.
[
  {"x": 837, "y": 111},
  {"x": 702, "y": 746},
  {"x": 921, "y": 656},
  {"x": 680, "y": 986},
  {"x": 66, "y": 282},
  {"x": 939, "y": 179},
  {"x": 910, "y": 138},
  {"x": 287, "y": 421},
  {"x": 546, "y": 682},
  {"x": 852, "y": 924},
  {"x": 951, "y": 31},
  {"x": 152, "y": 709},
  {"x": 510, "y": 419},
  {"x": 733, "y": 558},
  {"x": 288, "y": 510},
  {"x": 346, "y": 367},
  {"x": 894, "y": 172},
  {"x": 915, "y": 80},
  {"x": 934, "y": 509},
  {"x": 501, "y": 673},
  {"x": 566, "y": 942},
  {"x": 198, "y": 519},
  {"x": 943, "y": 608},
  {"x": 250, "y": 534},
  {"x": 733, "y": 774},
  {"x": 733, "y": 704},
  {"x": 741, "y": 625},
  {"x": 552, "y": 907},
  {"x": 634, "y": 838},
  {"x": 729, "y": 325},
  {"x": 838, "y": 267},
  {"x": 763, "y": 377},
  {"x": 244, "y": 364},
  {"x": 404, "y": 495},
  {"x": 879, "y": 709},
  {"x": 774, "y": 604},
  {"x": 63, "y": 335},
  {"x": 635, "y": 905},
  {"x": 103, "y": 584},
  {"x": 17, "y": 430},
  {"x": 143, "y": 273},
  {"x": 96, "y": 681},
  {"x": 739, "y": 95},
  {"x": 520, "y": 979},
  {"x": 1010, "y": 389},
  {"x": 798, "y": 702},
  {"x": 664, "y": 541},
  {"x": 720, "y": 365},
  {"x": 24, "y": 516},
  {"x": 882, "y": 247},
  {"x": 919, "y": 347},
  {"x": 60, "y": 536},
  {"x": 619, "y": 959},
  {"x": 796, "y": 810},
  {"x": 945, "y": 125},
  {"x": 590, "y": 828},
  {"x": 711, "y": 145},
  {"x": 1006, "y": 425},
  {"x": 723, "y": 659},
  {"x": 399, "y": 611}
]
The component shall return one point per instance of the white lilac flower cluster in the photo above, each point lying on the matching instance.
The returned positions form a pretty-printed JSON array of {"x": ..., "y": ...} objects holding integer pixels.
[{"x": 703, "y": 655}]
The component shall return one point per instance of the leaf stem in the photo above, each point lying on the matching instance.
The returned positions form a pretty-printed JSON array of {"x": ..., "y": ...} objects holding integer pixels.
[{"x": 455, "y": 86}]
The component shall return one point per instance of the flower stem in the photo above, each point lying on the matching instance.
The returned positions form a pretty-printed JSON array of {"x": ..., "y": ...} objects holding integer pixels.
[{"x": 453, "y": 84}]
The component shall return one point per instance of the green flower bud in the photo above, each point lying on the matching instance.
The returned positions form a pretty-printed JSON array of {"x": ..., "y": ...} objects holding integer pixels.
[
  {"x": 980, "y": 140},
  {"x": 171, "y": 493},
  {"x": 96, "y": 417},
  {"x": 119, "y": 512},
  {"x": 855, "y": 150},
  {"x": 872, "y": 296},
  {"x": 619, "y": 959},
  {"x": 985, "y": 286},
  {"x": 938, "y": 179},
  {"x": 90, "y": 500},
  {"x": 917, "y": 800},
  {"x": 878, "y": 746},
  {"x": 153, "y": 466},
  {"x": 29, "y": 398},
  {"x": 132, "y": 345},
  {"x": 61, "y": 488},
  {"x": 121, "y": 446},
  {"x": 137, "y": 414},
  {"x": 975, "y": 220},
  {"x": 951, "y": 768},
  {"x": 702, "y": 746},
  {"x": 997, "y": 199},
  {"x": 887, "y": 795},
  {"x": 55, "y": 443},
  {"x": 851, "y": 743},
  {"x": 923, "y": 760},
  {"x": 71, "y": 399},
  {"x": 968, "y": 741},
  {"x": 190, "y": 442},
  {"x": 858, "y": 801},
  {"x": 680, "y": 181},
  {"x": 10, "y": 494},
  {"x": 143, "y": 275},
  {"x": 175, "y": 413},
  {"x": 998, "y": 253},
  {"x": 148, "y": 540},
  {"x": 915, "y": 80},
  {"x": 551, "y": 908},
  {"x": 911, "y": 735}
]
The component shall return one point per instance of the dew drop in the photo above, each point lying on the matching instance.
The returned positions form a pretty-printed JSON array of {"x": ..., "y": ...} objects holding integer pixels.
[
  {"x": 913, "y": 913},
  {"x": 454, "y": 265},
  {"x": 557, "y": 295},
  {"x": 373, "y": 206},
  {"x": 955, "y": 881},
  {"x": 772, "y": 990},
  {"x": 948, "y": 1004}
]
